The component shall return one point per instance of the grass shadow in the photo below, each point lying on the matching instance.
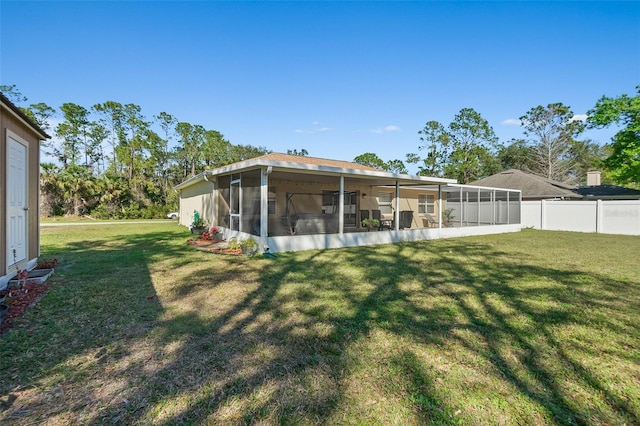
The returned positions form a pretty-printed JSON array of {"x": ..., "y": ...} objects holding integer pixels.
[{"x": 474, "y": 330}]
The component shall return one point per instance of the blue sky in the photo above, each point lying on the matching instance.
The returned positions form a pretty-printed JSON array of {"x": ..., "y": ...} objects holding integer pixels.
[{"x": 338, "y": 79}]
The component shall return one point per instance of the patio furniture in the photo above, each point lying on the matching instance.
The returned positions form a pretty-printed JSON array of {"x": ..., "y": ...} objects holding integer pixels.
[
  {"x": 406, "y": 217},
  {"x": 364, "y": 214},
  {"x": 429, "y": 222},
  {"x": 384, "y": 223},
  {"x": 310, "y": 223}
]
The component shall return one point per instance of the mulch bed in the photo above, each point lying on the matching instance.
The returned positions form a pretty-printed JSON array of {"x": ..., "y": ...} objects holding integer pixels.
[
  {"x": 217, "y": 247},
  {"x": 19, "y": 301}
]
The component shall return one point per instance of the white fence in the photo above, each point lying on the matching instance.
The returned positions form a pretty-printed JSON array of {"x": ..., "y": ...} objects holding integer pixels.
[{"x": 602, "y": 216}]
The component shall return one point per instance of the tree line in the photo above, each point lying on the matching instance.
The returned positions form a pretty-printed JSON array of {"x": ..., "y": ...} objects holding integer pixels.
[
  {"x": 115, "y": 162},
  {"x": 467, "y": 148}
]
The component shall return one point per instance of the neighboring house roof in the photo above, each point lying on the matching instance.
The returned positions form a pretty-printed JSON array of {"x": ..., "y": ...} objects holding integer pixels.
[
  {"x": 4, "y": 101},
  {"x": 609, "y": 192},
  {"x": 531, "y": 185},
  {"x": 317, "y": 166}
]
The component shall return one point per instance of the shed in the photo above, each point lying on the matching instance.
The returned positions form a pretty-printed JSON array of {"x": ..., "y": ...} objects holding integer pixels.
[{"x": 19, "y": 190}]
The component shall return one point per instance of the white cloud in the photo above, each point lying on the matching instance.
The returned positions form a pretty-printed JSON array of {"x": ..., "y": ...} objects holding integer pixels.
[
  {"x": 511, "y": 122},
  {"x": 314, "y": 130},
  {"x": 579, "y": 117},
  {"x": 381, "y": 130}
]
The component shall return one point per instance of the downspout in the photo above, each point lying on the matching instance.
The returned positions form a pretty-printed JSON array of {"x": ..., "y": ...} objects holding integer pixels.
[
  {"x": 341, "y": 207},
  {"x": 397, "y": 212}
]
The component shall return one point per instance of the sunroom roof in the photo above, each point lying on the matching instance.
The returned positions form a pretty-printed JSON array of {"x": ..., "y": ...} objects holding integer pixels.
[{"x": 316, "y": 166}]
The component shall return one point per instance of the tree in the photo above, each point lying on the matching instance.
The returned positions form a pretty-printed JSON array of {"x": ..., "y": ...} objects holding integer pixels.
[
  {"x": 464, "y": 150},
  {"x": 585, "y": 156},
  {"x": 40, "y": 113},
  {"x": 13, "y": 94},
  {"x": 434, "y": 140},
  {"x": 552, "y": 131},
  {"x": 94, "y": 154},
  {"x": 134, "y": 143},
  {"x": 112, "y": 116},
  {"x": 516, "y": 155},
  {"x": 396, "y": 166},
  {"x": 191, "y": 138},
  {"x": 371, "y": 160},
  {"x": 245, "y": 152},
  {"x": 73, "y": 132},
  {"x": 624, "y": 160},
  {"x": 215, "y": 149},
  {"x": 160, "y": 153},
  {"x": 78, "y": 188},
  {"x": 472, "y": 139}
]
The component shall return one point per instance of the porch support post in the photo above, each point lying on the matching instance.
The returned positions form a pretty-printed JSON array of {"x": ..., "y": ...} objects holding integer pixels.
[
  {"x": 439, "y": 206},
  {"x": 264, "y": 207},
  {"x": 341, "y": 207},
  {"x": 508, "y": 218},
  {"x": 493, "y": 207},
  {"x": 214, "y": 200},
  {"x": 214, "y": 203},
  {"x": 396, "y": 214},
  {"x": 461, "y": 207},
  {"x": 478, "y": 207}
]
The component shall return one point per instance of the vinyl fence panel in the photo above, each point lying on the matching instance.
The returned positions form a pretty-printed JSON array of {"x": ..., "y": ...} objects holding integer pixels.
[{"x": 606, "y": 216}]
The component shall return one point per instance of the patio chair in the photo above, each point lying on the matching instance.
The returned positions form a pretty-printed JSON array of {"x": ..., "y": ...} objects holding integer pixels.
[
  {"x": 364, "y": 214},
  {"x": 429, "y": 222},
  {"x": 376, "y": 214},
  {"x": 406, "y": 217}
]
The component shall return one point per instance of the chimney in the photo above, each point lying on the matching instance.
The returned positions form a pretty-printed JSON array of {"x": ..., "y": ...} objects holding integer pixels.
[{"x": 593, "y": 178}]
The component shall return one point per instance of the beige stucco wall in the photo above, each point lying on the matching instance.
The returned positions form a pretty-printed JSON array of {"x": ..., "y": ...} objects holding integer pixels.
[
  {"x": 196, "y": 197},
  {"x": 313, "y": 204}
]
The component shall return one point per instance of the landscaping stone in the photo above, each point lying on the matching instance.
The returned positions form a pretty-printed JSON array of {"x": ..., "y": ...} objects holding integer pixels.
[{"x": 36, "y": 276}]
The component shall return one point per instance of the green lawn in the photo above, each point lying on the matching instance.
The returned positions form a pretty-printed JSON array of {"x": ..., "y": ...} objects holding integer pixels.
[{"x": 527, "y": 328}]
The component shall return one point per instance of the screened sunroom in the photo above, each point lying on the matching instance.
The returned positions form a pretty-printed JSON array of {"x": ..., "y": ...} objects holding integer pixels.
[{"x": 292, "y": 203}]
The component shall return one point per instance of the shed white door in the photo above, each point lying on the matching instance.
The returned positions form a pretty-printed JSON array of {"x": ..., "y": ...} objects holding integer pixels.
[{"x": 16, "y": 201}]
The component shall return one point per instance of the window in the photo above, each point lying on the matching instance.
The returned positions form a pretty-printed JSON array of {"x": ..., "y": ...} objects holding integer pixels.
[
  {"x": 384, "y": 202},
  {"x": 272, "y": 200},
  {"x": 426, "y": 204}
]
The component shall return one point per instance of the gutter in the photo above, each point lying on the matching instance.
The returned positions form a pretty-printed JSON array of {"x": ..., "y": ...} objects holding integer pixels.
[{"x": 308, "y": 168}]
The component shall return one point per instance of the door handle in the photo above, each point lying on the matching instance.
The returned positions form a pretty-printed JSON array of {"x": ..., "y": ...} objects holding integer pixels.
[{"x": 25, "y": 208}]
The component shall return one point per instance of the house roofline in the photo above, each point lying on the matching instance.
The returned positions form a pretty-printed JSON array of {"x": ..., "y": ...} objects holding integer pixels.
[
  {"x": 288, "y": 166},
  {"x": 490, "y": 188},
  {"x": 16, "y": 112}
]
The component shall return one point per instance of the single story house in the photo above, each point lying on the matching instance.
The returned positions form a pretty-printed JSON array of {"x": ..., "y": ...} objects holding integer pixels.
[
  {"x": 533, "y": 187},
  {"x": 290, "y": 202},
  {"x": 19, "y": 190},
  {"x": 556, "y": 206}
]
